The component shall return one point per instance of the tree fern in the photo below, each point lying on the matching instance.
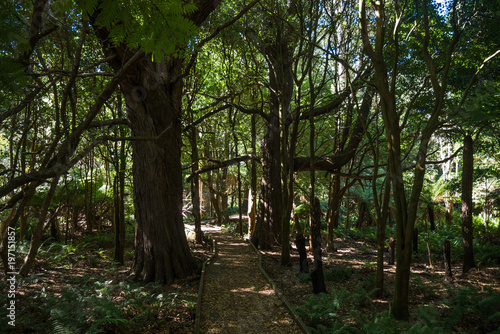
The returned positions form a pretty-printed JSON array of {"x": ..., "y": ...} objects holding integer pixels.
[{"x": 160, "y": 28}]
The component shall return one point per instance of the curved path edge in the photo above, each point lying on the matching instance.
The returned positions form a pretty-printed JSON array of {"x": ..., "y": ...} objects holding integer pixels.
[
  {"x": 200, "y": 289},
  {"x": 295, "y": 316}
]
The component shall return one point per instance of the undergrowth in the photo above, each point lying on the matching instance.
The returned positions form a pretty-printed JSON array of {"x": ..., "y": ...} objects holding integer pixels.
[
  {"x": 340, "y": 312},
  {"x": 96, "y": 305}
]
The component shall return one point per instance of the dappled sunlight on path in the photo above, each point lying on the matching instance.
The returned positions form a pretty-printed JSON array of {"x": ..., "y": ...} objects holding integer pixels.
[{"x": 236, "y": 296}]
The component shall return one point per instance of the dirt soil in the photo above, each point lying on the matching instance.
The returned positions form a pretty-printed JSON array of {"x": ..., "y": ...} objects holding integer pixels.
[
  {"x": 236, "y": 296},
  {"x": 353, "y": 265}
]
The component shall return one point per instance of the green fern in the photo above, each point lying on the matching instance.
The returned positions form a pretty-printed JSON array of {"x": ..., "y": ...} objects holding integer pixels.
[
  {"x": 383, "y": 323},
  {"x": 489, "y": 308},
  {"x": 323, "y": 306},
  {"x": 160, "y": 28}
]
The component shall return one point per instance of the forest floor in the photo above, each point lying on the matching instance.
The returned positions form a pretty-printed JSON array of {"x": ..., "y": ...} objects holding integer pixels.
[
  {"x": 352, "y": 268},
  {"x": 78, "y": 288},
  {"x": 237, "y": 297}
]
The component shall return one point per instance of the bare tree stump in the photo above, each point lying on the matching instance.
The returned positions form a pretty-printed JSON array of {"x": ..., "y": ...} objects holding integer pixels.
[
  {"x": 392, "y": 247},
  {"x": 447, "y": 258}
]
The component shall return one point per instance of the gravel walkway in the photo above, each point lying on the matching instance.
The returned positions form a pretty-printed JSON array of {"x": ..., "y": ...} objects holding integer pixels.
[{"x": 236, "y": 296}]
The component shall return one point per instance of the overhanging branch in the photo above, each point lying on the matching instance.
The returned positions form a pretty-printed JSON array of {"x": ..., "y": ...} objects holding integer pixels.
[{"x": 223, "y": 164}]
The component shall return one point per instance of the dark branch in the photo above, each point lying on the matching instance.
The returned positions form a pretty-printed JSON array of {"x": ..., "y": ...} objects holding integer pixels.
[
  {"x": 109, "y": 122},
  {"x": 223, "y": 164}
]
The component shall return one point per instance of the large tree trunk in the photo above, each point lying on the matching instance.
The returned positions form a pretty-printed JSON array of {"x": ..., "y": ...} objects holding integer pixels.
[
  {"x": 270, "y": 202},
  {"x": 467, "y": 205},
  {"x": 279, "y": 57},
  {"x": 153, "y": 95},
  {"x": 154, "y": 110}
]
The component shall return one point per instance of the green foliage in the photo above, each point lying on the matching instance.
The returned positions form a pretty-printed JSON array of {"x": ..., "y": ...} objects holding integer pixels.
[
  {"x": 383, "y": 323},
  {"x": 319, "y": 308},
  {"x": 160, "y": 28},
  {"x": 13, "y": 44},
  {"x": 96, "y": 305},
  {"x": 82, "y": 310},
  {"x": 324, "y": 313},
  {"x": 467, "y": 306},
  {"x": 339, "y": 274},
  {"x": 59, "y": 253},
  {"x": 302, "y": 210},
  {"x": 428, "y": 290},
  {"x": 304, "y": 277},
  {"x": 486, "y": 253},
  {"x": 327, "y": 313}
]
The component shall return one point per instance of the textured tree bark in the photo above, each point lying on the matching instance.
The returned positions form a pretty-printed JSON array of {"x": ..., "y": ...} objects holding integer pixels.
[
  {"x": 268, "y": 225},
  {"x": 154, "y": 110},
  {"x": 467, "y": 204},
  {"x": 153, "y": 95}
]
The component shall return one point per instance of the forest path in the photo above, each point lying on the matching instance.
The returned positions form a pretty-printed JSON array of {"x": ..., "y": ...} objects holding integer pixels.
[{"x": 236, "y": 297}]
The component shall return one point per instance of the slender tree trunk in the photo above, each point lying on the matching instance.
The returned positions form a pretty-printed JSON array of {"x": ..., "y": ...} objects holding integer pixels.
[
  {"x": 467, "y": 204},
  {"x": 348, "y": 211},
  {"x": 381, "y": 225},
  {"x": 252, "y": 194},
  {"x": 118, "y": 255},
  {"x": 300, "y": 243},
  {"x": 430, "y": 210},
  {"x": 392, "y": 246},
  {"x": 361, "y": 215},
  {"x": 195, "y": 186},
  {"x": 447, "y": 258},
  {"x": 36, "y": 235},
  {"x": 415, "y": 240},
  {"x": 317, "y": 276},
  {"x": 119, "y": 191},
  {"x": 240, "y": 201},
  {"x": 334, "y": 203}
]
